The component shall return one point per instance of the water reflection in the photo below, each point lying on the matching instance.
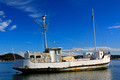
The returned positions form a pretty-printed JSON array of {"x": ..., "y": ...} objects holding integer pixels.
[{"x": 84, "y": 75}]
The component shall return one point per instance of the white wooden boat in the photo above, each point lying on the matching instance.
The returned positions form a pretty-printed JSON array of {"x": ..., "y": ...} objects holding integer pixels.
[{"x": 52, "y": 61}]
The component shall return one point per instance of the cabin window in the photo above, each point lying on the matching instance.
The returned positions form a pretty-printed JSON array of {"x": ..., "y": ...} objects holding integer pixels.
[
  {"x": 38, "y": 56},
  {"x": 58, "y": 51},
  {"x": 31, "y": 56},
  {"x": 55, "y": 51}
]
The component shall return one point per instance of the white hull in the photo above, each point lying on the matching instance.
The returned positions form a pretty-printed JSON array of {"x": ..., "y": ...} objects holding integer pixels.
[{"x": 26, "y": 65}]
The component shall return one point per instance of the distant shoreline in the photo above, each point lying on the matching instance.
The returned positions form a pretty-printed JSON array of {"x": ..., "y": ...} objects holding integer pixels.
[
  {"x": 10, "y": 57},
  {"x": 115, "y": 57}
]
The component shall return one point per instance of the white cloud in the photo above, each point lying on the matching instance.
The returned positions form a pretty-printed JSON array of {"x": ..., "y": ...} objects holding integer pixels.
[
  {"x": 114, "y": 27},
  {"x": 24, "y": 5},
  {"x": 34, "y": 15},
  {"x": 118, "y": 23},
  {"x": 15, "y": 2},
  {"x": 97, "y": 48},
  {"x": 21, "y": 53},
  {"x": 4, "y": 24},
  {"x": 69, "y": 54},
  {"x": 0, "y": 20},
  {"x": 3, "y": 16},
  {"x": 29, "y": 9},
  {"x": 13, "y": 27},
  {"x": 1, "y": 13}
]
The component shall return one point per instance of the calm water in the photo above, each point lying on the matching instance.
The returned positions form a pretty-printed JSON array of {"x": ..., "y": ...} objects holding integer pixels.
[{"x": 112, "y": 73}]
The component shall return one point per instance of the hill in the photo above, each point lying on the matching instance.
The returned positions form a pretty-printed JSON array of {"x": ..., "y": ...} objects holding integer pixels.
[
  {"x": 10, "y": 57},
  {"x": 115, "y": 57}
]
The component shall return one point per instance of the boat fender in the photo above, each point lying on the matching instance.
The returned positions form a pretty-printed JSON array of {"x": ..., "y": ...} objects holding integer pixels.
[
  {"x": 26, "y": 67},
  {"x": 48, "y": 67}
]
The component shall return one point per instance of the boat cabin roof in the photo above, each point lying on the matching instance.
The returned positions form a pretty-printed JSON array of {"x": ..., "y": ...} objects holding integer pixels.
[
  {"x": 53, "y": 48},
  {"x": 47, "y": 50},
  {"x": 37, "y": 53}
]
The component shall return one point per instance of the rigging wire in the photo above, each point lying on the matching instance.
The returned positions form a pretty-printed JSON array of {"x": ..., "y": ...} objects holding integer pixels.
[
  {"x": 39, "y": 39},
  {"x": 85, "y": 39},
  {"x": 99, "y": 32},
  {"x": 68, "y": 38},
  {"x": 102, "y": 38},
  {"x": 49, "y": 44}
]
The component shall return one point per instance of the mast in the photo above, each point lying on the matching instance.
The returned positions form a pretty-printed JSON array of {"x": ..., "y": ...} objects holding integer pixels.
[
  {"x": 44, "y": 34},
  {"x": 94, "y": 29}
]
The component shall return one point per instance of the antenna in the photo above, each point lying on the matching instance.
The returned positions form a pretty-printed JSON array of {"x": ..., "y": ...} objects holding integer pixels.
[
  {"x": 94, "y": 29},
  {"x": 45, "y": 41},
  {"x": 13, "y": 53},
  {"x": 44, "y": 29},
  {"x": 38, "y": 23},
  {"x": 54, "y": 44}
]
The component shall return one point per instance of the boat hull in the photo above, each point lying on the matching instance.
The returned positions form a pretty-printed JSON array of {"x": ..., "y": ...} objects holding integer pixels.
[
  {"x": 75, "y": 68},
  {"x": 26, "y": 66}
]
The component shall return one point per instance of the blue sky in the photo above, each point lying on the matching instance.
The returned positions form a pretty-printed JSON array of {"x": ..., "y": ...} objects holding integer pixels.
[{"x": 70, "y": 24}]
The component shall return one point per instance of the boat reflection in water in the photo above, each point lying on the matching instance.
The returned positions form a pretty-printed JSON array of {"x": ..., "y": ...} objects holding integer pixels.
[{"x": 84, "y": 75}]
